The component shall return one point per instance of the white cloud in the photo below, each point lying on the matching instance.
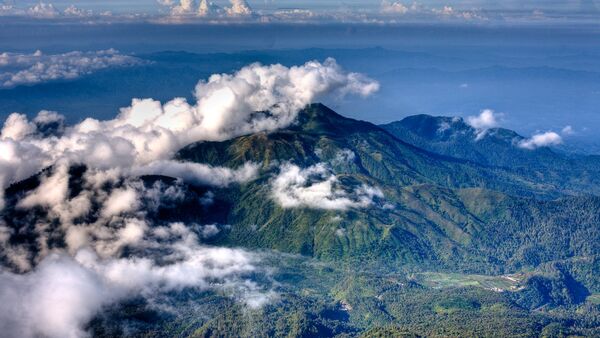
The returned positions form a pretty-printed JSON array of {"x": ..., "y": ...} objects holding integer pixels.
[
  {"x": 63, "y": 293},
  {"x": 293, "y": 15},
  {"x": 73, "y": 11},
  {"x": 239, "y": 8},
  {"x": 91, "y": 272},
  {"x": 120, "y": 201},
  {"x": 8, "y": 9},
  {"x": 541, "y": 140},
  {"x": 55, "y": 301},
  {"x": 46, "y": 117},
  {"x": 340, "y": 157},
  {"x": 109, "y": 213},
  {"x": 148, "y": 132},
  {"x": 344, "y": 156},
  {"x": 487, "y": 119},
  {"x": 30, "y": 69},
  {"x": 446, "y": 10},
  {"x": 47, "y": 11},
  {"x": 183, "y": 7},
  {"x": 443, "y": 126},
  {"x": 316, "y": 187},
  {"x": 417, "y": 11},
  {"x": 567, "y": 130},
  {"x": 51, "y": 191},
  {"x": 395, "y": 7},
  {"x": 181, "y": 10},
  {"x": 16, "y": 127},
  {"x": 43, "y": 10},
  {"x": 207, "y": 9},
  {"x": 198, "y": 173}
]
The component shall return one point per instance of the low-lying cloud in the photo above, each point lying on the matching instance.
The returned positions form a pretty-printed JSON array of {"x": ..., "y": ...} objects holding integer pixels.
[
  {"x": 29, "y": 69},
  {"x": 64, "y": 292},
  {"x": 546, "y": 139},
  {"x": 199, "y": 173},
  {"x": 93, "y": 270},
  {"x": 317, "y": 187},
  {"x": 487, "y": 119}
]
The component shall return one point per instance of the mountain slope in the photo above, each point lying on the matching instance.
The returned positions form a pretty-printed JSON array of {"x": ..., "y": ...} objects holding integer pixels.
[
  {"x": 449, "y": 247},
  {"x": 498, "y": 147},
  {"x": 437, "y": 211},
  {"x": 421, "y": 210},
  {"x": 378, "y": 154}
]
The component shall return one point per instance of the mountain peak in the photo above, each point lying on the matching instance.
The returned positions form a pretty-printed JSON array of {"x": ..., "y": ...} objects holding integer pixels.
[
  {"x": 438, "y": 128},
  {"x": 319, "y": 119}
]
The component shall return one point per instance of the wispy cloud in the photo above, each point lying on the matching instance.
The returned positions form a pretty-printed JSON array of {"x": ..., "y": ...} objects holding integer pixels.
[
  {"x": 317, "y": 187},
  {"x": 28, "y": 69}
]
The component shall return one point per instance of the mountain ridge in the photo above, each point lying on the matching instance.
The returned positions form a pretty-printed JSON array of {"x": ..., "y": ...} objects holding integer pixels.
[
  {"x": 433, "y": 247},
  {"x": 498, "y": 147}
]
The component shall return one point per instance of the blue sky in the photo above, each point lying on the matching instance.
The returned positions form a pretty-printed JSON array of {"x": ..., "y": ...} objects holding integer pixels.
[
  {"x": 153, "y": 5},
  {"x": 349, "y": 9}
]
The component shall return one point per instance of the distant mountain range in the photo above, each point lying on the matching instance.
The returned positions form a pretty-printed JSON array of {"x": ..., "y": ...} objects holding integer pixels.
[{"x": 499, "y": 148}]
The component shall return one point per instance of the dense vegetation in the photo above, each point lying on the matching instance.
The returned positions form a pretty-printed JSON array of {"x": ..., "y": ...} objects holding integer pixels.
[
  {"x": 571, "y": 174},
  {"x": 463, "y": 243}
]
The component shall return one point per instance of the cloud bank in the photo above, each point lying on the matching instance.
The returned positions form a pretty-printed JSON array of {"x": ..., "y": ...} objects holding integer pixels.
[
  {"x": 29, "y": 69},
  {"x": 384, "y": 12},
  {"x": 64, "y": 287},
  {"x": 112, "y": 251},
  {"x": 47, "y": 11},
  {"x": 256, "y": 98},
  {"x": 64, "y": 292}
]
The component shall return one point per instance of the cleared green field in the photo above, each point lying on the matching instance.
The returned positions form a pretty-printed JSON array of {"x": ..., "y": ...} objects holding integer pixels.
[{"x": 440, "y": 280}]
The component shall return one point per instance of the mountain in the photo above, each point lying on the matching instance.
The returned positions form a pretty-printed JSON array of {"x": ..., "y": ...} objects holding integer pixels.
[
  {"x": 402, "y": 239},
  {"x": 437, "y": 211},
  {"x": 379, "y": 154},
  {"x": 498, "y": 148}
]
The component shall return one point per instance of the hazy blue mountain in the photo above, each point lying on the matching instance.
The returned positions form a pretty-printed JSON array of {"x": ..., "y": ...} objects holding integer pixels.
[{"x": 498, "y": 147}]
